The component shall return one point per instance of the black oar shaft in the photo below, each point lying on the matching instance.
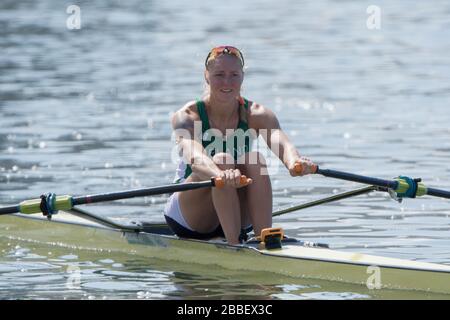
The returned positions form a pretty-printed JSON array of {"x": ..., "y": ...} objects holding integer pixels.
[
  {"x": 68, "y": 202},
  {"x": 438, "y": 193},
  {"x": 9, "y": 210},
  {"x": 140, "y": 192},
  {"x": 358, "y": 178}
]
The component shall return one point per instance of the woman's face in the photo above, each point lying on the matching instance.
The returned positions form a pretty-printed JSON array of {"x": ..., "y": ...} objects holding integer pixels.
[{"x": 225, "y": 76}]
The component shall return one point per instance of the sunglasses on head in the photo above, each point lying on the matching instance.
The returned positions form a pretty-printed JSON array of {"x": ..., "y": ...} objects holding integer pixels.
[{"x": 217, "y": 51}]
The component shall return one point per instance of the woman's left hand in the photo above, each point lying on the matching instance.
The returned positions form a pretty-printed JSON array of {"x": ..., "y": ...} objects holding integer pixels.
[{"x": 302, "y": 166}]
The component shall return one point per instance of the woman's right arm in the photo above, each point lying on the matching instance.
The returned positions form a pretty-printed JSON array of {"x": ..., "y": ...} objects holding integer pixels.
[{"x": 190, "y": 147}]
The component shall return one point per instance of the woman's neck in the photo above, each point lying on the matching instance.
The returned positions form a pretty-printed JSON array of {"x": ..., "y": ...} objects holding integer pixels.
[{"x": 220, "y": 109}]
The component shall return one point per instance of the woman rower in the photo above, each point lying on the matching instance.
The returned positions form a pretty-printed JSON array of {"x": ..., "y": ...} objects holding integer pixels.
[{"x": 222, "y": 149}]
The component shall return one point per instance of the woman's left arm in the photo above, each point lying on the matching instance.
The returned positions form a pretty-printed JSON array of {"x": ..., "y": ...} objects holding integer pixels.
[{"x": 267, "y": 125}]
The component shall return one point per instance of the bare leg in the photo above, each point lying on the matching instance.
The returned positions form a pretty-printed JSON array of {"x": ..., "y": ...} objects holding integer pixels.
[
  {"x": 204, "y": 209},
  {"x": 258, "y": 195},
  {"x": 226, "y": 202},
  {"x": 197, "y": 208}
]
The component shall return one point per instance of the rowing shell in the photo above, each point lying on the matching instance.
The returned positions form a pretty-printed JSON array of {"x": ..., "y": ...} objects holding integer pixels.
[{"x": 294, "y": 259}]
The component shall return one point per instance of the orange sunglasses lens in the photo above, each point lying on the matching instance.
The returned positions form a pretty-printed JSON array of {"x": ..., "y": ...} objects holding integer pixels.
[{"x": 215, "y": 52}]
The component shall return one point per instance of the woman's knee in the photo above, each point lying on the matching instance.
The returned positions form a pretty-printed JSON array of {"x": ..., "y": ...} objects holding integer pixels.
[
  {"x": 252, "y": 158},
  {"x": 253, "y": 164},
  {"x": 224, "y": 161}
]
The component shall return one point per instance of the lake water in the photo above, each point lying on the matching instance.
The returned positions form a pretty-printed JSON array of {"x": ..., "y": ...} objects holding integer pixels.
[{"x": 86, "y": 111}]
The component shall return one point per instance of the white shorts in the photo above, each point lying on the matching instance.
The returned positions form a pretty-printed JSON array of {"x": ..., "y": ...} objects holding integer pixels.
[{"x": 173, "y": 211}]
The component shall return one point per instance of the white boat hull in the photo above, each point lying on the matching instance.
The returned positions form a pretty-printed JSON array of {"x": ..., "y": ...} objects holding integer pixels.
[{"x": 292, "y": 260}]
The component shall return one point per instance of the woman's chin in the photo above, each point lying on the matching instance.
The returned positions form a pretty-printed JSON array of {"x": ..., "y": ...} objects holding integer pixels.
[{"x": 226, "y": 96}]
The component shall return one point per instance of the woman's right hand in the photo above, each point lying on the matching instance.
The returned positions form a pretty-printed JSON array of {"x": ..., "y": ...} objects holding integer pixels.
[{"x": 233, "y": 178}]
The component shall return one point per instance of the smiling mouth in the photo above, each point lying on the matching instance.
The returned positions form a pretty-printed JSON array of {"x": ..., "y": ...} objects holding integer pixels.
[{"x": 226, "y": 90}]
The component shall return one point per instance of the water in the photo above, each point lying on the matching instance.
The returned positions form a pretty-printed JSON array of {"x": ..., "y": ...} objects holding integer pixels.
[{"x": 87, "y": 111}]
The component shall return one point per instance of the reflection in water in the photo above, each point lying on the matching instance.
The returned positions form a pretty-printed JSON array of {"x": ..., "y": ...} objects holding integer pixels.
[{"x": 34, "y": 272}]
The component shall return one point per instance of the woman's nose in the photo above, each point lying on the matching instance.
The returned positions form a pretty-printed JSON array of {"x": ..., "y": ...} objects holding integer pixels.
[{"x": 228, "y": 79}]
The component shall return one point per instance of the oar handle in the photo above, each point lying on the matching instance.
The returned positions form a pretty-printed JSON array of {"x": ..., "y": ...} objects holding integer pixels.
[
  {"x": 219, "y": 182},
  {"x": 244, "y": 181},
  {"x": 300, "y": 169}
]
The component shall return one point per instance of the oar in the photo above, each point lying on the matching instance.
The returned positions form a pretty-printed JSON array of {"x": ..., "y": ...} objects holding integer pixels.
[
  {"x": 51, "y": 203},
  {"x": 335, "y": 197},
  {"x": 403, "y": 186}
]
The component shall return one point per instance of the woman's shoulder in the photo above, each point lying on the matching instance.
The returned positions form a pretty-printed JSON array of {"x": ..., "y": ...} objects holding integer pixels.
[
  {"x": 189, "y": 110},
  {"x": 256, "y": 109},
  {"x": 186, "y": 115},
  {"x": 259, "y": 115}
]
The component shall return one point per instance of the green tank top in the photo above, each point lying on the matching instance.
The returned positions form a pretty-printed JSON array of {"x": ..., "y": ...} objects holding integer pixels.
[{"x": 236, "y": 144}]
